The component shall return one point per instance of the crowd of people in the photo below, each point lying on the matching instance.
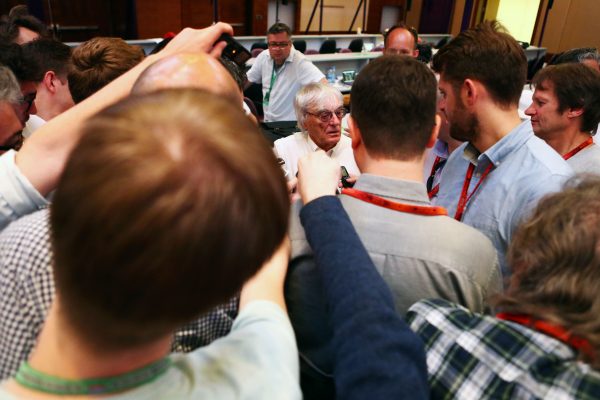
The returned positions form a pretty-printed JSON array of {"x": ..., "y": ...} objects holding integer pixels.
[{"x": 155, "y": 244}]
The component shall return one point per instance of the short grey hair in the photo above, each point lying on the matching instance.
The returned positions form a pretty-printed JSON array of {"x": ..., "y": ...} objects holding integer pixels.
[
  {"x": 314, "y": 95},
  {"x": 10, "y": 90}
]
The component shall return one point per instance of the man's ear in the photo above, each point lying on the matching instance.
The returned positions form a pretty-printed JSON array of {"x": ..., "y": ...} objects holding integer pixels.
[
  {"x": 435, "y": 131},
  {"x": 574, "y": 112},
  {"x": 355, "y": 134},
  {"x": 469, "y": 92},
  {"x": 48, "y": 81}
]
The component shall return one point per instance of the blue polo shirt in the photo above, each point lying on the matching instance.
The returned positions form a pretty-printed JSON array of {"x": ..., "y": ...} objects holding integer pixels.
[{"x": 524, "y": 169}]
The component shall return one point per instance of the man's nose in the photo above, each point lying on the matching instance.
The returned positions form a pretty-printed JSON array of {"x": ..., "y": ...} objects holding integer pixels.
[{"x": 530, "y": 110}]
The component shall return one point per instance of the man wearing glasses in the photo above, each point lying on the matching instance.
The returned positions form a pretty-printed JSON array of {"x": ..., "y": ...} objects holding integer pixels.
[
  {"x": 282, "y": 71},
  {"x": 319, "y": 110},
  {"x": 10, "y": 99}
]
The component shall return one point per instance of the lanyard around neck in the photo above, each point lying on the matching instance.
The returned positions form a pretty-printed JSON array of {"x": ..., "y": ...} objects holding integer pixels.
[
  {"x": 438, "y": 164},
  {"x": 406, "y": 208},
  {"x": 465, "y": 196},
  {"x": 550, "y": 329},
  {"x": 274, "y": 76},
  {"x": 33, "y": 379},
  {"x": 577, "y": 149}
]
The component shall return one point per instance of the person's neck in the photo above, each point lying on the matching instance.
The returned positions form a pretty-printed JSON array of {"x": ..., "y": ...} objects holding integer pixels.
[
  {"x": 494, "y": 124},
  {"x": 47, "y": 107},
  {"x": 405, "y": 170},
  {"x": 567, "y": 140},
  {"x": 452, "y": 145},
  {"x": 62, "y": 353}
]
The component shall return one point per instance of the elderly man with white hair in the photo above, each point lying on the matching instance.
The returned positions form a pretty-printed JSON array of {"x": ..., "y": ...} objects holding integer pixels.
[
  {"x": 319, "y": 110},
  {"x": 10, "y": 125}
]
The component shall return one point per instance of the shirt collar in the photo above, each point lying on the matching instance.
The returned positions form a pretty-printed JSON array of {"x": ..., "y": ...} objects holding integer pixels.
[
  {"x": 393, "y": 189},
  {"x": 440, "y": 149},
  {"x": 497, "y": 153}
]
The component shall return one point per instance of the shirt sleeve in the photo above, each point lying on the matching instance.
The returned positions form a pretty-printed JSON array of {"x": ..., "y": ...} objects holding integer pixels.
[
  {"x": 309, "y": 73},
  {"x": 376, "y": 353},
  {"x": 258, "y": 358},
  {"x": 18, "y": 197},
  {"x": 255, "y": 73}
]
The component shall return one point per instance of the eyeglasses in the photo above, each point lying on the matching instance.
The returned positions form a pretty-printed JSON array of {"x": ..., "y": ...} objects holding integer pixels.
[
  {"x": 280, "y": 45},
  {"x": 326, "y": 115}
]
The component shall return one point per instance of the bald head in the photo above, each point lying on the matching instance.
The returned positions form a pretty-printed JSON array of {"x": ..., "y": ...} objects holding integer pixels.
[{"x": 186, "y": 71}]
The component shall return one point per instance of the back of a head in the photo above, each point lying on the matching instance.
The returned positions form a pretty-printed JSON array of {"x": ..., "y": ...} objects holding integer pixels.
[
  {"x": 575, "y": 86},
  {"x": 393, "y": 104},
  {"x": 186, "y": 71},
  {"x": 17, "y": 17},
  {"x": 576, "y": 55},
  {"x": 184, "y": 200},
  {"x": 555, "y": 258},
  {"x": 98, "y": 62},
  {"x": 488, "y": 54},
  {"x": 22, "y": 64},
  {"x": 50, "y": 55}
]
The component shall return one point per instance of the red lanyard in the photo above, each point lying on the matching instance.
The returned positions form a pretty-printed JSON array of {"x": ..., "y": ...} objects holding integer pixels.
[
  {"x": 579, "y": 148},
  {"x": 465, "y": 196},
  {"x": 555, "y": 331},
  {"x": 407, "y": 208},
  {"x": 439, "y": 161}
]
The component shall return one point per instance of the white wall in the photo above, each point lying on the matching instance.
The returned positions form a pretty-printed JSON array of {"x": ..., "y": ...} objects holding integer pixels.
[{"x": 286, "y": 13}]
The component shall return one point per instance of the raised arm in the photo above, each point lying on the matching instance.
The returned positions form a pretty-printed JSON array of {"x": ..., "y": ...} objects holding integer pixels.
[
  {"x": 43, "y": 156},
  {"x": 376, "y": 353}
]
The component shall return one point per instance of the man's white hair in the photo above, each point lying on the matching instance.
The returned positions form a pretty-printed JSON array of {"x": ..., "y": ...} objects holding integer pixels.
[
  {"x": 314, "y": 96},
  {"x": 9, "y": 87}
]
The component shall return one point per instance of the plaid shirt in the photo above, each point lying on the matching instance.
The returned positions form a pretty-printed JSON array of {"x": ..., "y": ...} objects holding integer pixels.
[
  {"x": 27, "y": 289},
  {"x": 471, "y": 356}
]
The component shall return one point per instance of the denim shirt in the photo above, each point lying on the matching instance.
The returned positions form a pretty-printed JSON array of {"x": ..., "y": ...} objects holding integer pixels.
[{"x": 524, "y": 169}]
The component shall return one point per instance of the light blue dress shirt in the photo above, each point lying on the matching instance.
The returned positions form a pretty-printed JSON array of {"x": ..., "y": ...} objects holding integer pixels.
[{"x": 525, "y": 169}]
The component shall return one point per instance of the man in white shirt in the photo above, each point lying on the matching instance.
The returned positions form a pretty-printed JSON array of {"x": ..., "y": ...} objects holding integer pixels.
[
  {"x": 319, "y": 110},
  {"x": 282, "y": 71},
  {"x": 565, "y": 111}
]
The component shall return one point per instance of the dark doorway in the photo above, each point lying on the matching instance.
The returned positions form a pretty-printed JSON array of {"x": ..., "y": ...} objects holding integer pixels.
[{"x": 435, "y": 16}]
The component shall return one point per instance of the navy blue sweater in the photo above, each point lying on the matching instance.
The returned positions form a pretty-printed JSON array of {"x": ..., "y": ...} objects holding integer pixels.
[{"x": 376, "y": 355}]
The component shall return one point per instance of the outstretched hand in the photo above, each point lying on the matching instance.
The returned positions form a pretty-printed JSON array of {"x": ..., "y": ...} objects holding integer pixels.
[
  {"x": 318, "y": 175},
  {"x": 198, "y": 41}
]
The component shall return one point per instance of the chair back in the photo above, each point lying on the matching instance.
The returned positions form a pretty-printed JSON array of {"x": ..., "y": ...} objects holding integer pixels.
[
  {"x": 328, "y": 47},
  {"x": 356, "y": 45}
]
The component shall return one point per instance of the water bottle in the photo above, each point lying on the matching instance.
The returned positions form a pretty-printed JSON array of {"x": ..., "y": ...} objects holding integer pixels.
[{"x": 331, "y": 76}]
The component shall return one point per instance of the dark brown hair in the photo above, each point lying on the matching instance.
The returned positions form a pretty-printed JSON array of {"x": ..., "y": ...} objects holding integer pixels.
[
  {"x": 50, "y": 55},
  {"x": 555, "y": 259},
  {"x": 19, "y": 16},
  {"x": 489, "y": 55},
  {"x": 279, "y": 27},
  {"x": 393, "y": 104},
  {"x": 168, "y": 204},
  {"x": 575, "y": 86},
  {"x": 98, "y": 62}
]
